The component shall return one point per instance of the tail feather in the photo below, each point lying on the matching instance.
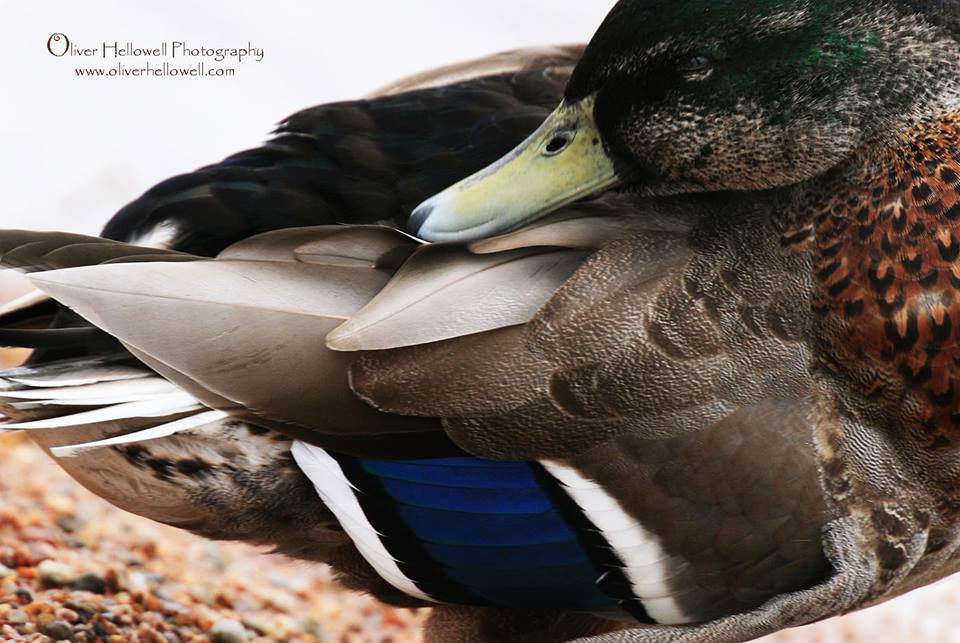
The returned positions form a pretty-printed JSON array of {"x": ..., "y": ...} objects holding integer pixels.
[
  {"x": 35, "y": 321},
  {"x": 99, "y": 393},
  {"x": 164, "y": 406},
  {"x": 95, "y": 403},
  {"x": 167, "y": 429},
  {"x": 177, "y": 469},
  {"x": 48, "y": 337},
  {"x": 34, "y": 307},
  {"x": 73, "y": 372}
]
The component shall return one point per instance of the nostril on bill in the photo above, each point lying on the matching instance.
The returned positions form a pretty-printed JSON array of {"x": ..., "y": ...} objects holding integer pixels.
[
  {"x": 418, "y": 217},
  {"x": 556, "y": 144}
]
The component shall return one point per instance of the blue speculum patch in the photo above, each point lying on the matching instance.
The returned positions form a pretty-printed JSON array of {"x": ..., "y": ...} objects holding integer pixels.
[{"x": 480, "y": 531}]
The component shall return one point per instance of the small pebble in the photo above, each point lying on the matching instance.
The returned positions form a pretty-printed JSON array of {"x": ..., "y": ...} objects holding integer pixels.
[
  {"x": 68, "y": 615},
  {"x": 59, "y": 631},
  {"x": 262, "y": 625},
  {"x": 84, "y": 608},
  {"x": 90, "y": 583},
  {"x": 228, "y": 631},
  {"x": 54, "y": 574},
  {"x": 67, "y": 524},
  {"x": 17, "y": 617},
  {"x": 27, "y": 628}
]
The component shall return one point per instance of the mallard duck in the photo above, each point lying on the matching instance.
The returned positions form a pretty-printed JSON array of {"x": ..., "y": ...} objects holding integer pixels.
[{"x": 680, "y": 366}]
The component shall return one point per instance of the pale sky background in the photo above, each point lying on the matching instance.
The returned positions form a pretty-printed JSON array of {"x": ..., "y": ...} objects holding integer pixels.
[{"x": 74, "y": 150}]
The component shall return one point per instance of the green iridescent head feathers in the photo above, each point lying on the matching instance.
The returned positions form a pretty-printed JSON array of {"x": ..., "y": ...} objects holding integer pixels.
[{"x": 698, "y": 95}]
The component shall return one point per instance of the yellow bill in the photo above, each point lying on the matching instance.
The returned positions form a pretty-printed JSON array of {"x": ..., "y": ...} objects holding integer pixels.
[{"x": 563, "y": 161}]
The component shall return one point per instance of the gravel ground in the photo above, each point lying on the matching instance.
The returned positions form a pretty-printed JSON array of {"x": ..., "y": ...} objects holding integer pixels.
[{"x": 73, "y": 567}]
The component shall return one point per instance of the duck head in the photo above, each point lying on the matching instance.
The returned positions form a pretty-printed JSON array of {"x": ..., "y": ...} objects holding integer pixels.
[{"x": 683, "y": 96}]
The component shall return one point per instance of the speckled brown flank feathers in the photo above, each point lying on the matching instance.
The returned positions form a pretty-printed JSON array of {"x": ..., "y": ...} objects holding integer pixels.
[
  {"x": 888, "y": 273},
  {"x": 672, "y": 354}
]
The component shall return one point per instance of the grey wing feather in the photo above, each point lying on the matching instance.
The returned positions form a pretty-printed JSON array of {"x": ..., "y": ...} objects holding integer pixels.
[
  {"x": 446, "y": 291},
  {"x": 545, "y": 58},
  {"x": 31, "y": 251},
  {"x": 357, "y": 246},
  {"x": 250, "y": 332}
]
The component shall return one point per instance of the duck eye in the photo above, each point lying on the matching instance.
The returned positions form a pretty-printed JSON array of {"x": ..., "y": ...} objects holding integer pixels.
[{"x": 695, "y": 65}]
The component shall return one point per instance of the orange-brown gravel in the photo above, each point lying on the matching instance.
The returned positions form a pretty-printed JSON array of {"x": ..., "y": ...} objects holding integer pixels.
[{"x": 162, "y": 585}]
